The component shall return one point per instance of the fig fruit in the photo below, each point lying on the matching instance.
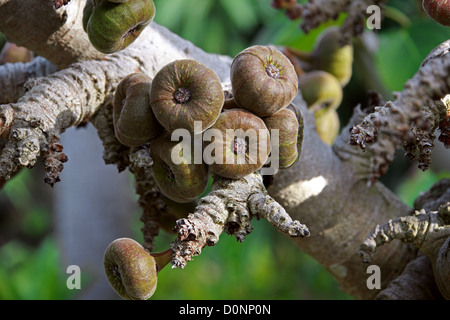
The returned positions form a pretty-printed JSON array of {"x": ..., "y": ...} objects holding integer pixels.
[
  {"x": 186, "y": 91},
  {"x": 175, "y": 171},
  {"x": 239, "y": 144},
  {"x": 130, "y": 269},
  {"x": 134, "y": 122},
  {"x": 112, "y": 27},
  {"x": 263, "y": 80}
]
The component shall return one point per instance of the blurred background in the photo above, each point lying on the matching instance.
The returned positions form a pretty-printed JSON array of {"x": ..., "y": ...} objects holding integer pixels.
[{"x": 266, "y": 265}]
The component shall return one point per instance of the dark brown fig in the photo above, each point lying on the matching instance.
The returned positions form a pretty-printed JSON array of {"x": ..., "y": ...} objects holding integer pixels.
[
  {"x": 263, "y": 80},
  {"x": 240, "y": 144},
  {"x": 287, "y": 126},
  {"x": 184, "y": 92},
  {"x": 330, "y": 56},
  {"x": 134, "y": 122},
  {"x": 175, "y": 170},
  {"x": 112, "y": 27},
  {"x": 130, "y": 269}
]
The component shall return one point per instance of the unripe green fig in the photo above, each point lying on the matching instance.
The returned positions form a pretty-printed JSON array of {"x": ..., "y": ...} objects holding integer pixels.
[
  {"x": 134, "y": 122},
  {"x": 184, "y": 92},
  {"x": 285, "y": 121},
  {"x": 263, "y": 80},
  {"x": 439, "y": 10},
  {"x": 328, "y": 126},
  {"x": 330, "y": 56},
  {"x": 175, "y": 171},
  {"x": 130, "y": 269},
  {"x": 321, "y": 91},
  {"x": 240, "y": 144},
  {"x": 114, "y": 26}
]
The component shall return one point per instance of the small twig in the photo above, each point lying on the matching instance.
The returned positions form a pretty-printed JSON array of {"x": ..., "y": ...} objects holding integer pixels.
[{"x": 229, "y": 207}]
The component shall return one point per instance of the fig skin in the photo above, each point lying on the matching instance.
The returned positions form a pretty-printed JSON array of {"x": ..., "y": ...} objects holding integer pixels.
[
  {"x": 182, "y": 182},
  {"x": 438, "y": 10},
  {"x": 328, "y": 126},
  {"x": 330, "y": 56},
  {"x": 130, "y": 269},
  {"x": 321, "y": 91},
  {"x": 286, "y": 122},
  {"x": 241, "y": 160},
  {"x": 263, "y": 80},
  {"x": 133, "y": 118},
  {"x": 185, "y": 91},
  {"x": 112, "y": 27}
]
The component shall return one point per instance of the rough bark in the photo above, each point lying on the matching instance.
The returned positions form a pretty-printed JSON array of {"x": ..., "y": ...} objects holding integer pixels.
[{"x": 327, "y": 189}]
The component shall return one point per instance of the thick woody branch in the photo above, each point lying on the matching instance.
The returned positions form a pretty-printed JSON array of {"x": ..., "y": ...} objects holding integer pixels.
[
  {"x": 72, "y": 96},
  {"x": 429, "y": 231},
  {"x": 59, "y": 37},
  {"x": 229, "y": 207},
  {"x": 415, "y": 283},
  {"x": 15, "y": 75},
  {"x": 411, "y": 120}
]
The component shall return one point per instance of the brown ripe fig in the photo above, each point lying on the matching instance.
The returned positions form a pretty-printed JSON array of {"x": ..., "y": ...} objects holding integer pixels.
[
  {"x": 186, "y": 91},
  {"x": 328, "y": 126},
  {"x": 175, "y": 170},
  {"x": 240, "y": 144},
  {"x": 134, "y": 122},
  {"x": 112, "y": 27},
  {"x": 285, "y": 121},
  {"x": 321, "y": 91},
  {"x": 263, "y": 80},
  {"x": 439, "y": 10},
  {"x": 130, "y": 269},
  {"x": 330, "y": 56}
]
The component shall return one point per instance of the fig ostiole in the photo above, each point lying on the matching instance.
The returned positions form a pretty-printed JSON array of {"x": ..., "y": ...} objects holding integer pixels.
[{"x": 184, "y": 92}]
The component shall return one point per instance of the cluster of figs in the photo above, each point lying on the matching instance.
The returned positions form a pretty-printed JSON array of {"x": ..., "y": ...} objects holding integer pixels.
[{"x": 235, "y": 128}]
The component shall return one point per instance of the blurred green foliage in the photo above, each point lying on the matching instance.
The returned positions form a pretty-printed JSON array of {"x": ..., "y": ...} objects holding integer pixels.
[{"x": 267, "y": 265}]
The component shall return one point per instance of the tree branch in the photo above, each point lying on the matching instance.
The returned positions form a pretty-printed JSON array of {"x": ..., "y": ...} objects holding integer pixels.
[
  {"x": 15, "y": 75},
  {"x": 411, "y": 120},
  {"x": 230, "y": 207}
]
